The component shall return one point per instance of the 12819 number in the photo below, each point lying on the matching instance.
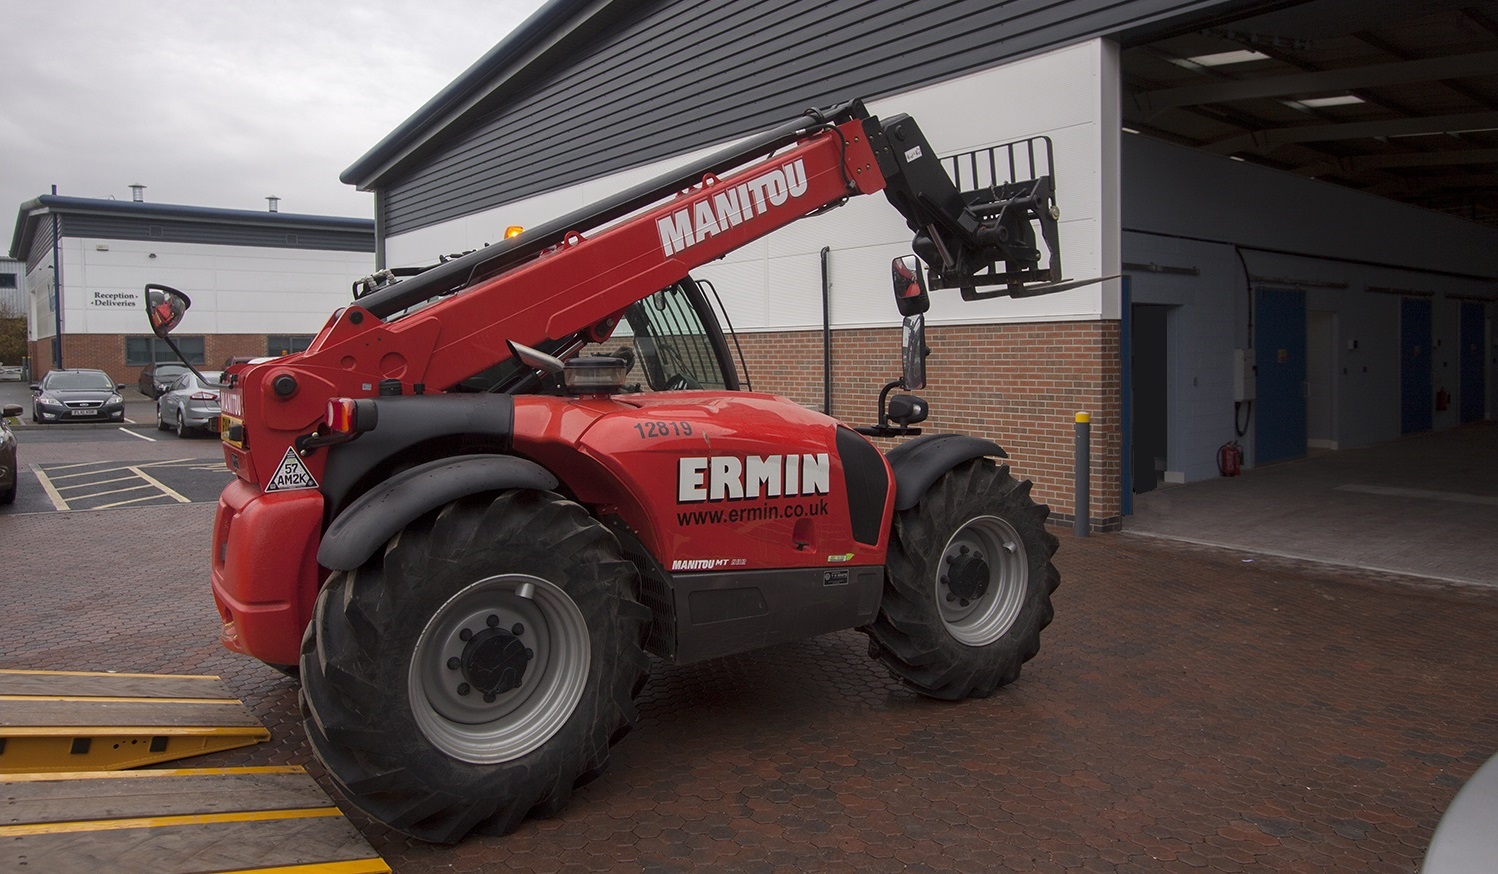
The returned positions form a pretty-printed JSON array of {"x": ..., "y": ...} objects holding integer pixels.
[{"x": 657, "y": 430}]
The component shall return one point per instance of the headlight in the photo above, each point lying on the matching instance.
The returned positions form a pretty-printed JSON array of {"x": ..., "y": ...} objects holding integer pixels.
[
  {"x": 52, "y": 402},
  {"x": 115, "y": 399}
]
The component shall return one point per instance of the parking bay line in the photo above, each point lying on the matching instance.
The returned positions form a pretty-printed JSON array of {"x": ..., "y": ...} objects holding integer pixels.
[
  {"x": 141, "y": 436},
  {"x": 58, "y": 501}
]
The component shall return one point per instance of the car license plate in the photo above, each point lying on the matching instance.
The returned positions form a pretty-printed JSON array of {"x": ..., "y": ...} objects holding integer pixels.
[{"x": 83, "y": 412}]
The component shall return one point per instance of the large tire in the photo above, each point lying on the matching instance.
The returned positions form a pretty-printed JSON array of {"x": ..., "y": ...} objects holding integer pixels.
[
  {"x": 407, "y": 664},
  {"x": 968, "y": 585}
]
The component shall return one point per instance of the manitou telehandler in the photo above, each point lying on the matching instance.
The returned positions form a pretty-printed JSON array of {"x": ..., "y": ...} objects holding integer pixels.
[{"x": 487, "y": 489}]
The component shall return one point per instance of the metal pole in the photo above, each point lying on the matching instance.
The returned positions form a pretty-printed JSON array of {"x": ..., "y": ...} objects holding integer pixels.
[
  {"x": 57, "y": 286},
  {"x": 1082, "y": 476}
]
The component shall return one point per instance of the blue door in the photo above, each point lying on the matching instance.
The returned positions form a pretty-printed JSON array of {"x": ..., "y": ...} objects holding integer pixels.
[
  {"x": 1415, "y": 398},
  {"x": 1280, "y": 370},
  {"x": 1474, "y": 375}
]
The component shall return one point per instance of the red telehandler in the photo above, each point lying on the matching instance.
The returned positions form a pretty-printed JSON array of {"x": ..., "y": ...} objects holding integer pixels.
[{"x": 465, "y": 519}]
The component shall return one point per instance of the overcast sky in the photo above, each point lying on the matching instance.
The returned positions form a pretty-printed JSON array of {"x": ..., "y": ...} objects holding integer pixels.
[{"x": 221, "y": 104}]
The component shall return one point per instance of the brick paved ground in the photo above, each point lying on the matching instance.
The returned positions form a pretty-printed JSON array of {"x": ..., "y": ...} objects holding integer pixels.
[{"x": 1188, "y": 711}]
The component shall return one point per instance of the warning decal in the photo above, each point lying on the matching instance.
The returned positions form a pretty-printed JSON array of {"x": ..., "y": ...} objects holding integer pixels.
[{"x": 291, "y": 473}]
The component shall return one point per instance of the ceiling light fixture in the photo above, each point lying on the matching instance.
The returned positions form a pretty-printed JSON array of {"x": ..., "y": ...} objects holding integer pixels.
[
  {"x": 1223, "y": 59},
  {"x": 1319, "y": 102}
]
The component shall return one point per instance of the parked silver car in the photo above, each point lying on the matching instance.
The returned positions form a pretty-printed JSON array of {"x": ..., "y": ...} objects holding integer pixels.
[{"x": 190, "y": 403}]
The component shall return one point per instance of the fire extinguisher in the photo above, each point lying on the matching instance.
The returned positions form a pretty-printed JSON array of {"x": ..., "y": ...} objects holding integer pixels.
[{"x": 1230, "y": 458}]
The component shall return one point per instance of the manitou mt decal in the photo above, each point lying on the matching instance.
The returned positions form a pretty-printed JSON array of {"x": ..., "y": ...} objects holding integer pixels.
[
  {"x": 732, "y": 478},
  {"x": 730, "y": 207}
]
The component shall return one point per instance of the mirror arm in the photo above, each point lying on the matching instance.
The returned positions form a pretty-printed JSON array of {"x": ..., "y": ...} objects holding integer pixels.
[{"x": 183, "y": 358}]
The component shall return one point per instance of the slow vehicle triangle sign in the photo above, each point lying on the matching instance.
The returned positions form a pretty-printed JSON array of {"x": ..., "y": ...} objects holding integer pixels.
[{"x": 291, "y": 473}]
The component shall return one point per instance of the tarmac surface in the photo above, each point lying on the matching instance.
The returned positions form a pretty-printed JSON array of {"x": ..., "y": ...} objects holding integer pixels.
[{"x": 1192, "y": 708}]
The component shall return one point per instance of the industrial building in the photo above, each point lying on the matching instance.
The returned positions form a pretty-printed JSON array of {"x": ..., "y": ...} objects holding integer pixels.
[
  {"x": 262, "y": 283},
  {"x": 1292, "y": 206}
]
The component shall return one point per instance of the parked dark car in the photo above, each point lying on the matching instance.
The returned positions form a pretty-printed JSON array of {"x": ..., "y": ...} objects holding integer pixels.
[
  {"x": 156, "y": 377},
  {"x": 77, "y": 396},
  {"x": 8, "y": 460},
  {"x": 190, "y": 403}
]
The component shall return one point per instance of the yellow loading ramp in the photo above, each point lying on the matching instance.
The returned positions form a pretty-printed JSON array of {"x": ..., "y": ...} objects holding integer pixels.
[
  {"x": 269, "y": 820},
  {"x": 67, "y": 808},
  {"x": 78, "y": 721}
]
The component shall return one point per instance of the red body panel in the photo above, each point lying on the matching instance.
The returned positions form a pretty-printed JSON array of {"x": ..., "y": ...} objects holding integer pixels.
[
  {"x": 710, "y": 481},
  {"x": 265, "y": 573}
]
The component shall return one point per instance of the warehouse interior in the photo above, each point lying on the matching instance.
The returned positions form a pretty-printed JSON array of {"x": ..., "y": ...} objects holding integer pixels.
[{"x": 1336, "y": 288}]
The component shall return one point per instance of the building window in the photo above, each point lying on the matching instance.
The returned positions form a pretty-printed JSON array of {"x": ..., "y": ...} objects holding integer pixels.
[
  {"x": 7, "y": 280},
  {"x": 140, "y": 351},
  {"x": 285, "y": 344}
]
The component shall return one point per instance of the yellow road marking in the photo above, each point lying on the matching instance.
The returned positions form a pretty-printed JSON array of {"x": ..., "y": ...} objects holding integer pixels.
[
  {"x": 356, "y": 866},
  {"x": 204, "y": 677},
  {"x": 158, "y": 484},
  {"x": 50, "y": 489},
  {"x": 132, "y": 699},
  {"x": 123, "y": 730},
  {"x": 45, "y": 776}
]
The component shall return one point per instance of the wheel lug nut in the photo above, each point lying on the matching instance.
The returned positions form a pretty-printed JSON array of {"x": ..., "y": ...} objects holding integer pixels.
[
  {"x": 962, "y": 603},
  {"x": 962, "y": 550},
  {"x": 465, "y": 635},
  {"x": 517, "y": 629},
  {"x": 951, "y": 558},
  {"x": 489, "y": 698},
  {"x": 951, "y": 597},
  {"x": 492, "y": 621},
  {"x": 453, "y": 664},
  {"x": 464, "y": 688},
  {"x": 529, "y": 654}
]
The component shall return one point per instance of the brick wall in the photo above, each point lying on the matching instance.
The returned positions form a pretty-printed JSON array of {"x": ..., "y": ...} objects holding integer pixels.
[{"x": 1019, "y": 385}]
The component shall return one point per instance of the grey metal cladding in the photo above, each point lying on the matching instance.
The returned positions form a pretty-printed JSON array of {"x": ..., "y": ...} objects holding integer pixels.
[
  {"x": 40, "y": 250},
  {"x": 120, "y": 227},
  {"x": 670, "y": 76}
]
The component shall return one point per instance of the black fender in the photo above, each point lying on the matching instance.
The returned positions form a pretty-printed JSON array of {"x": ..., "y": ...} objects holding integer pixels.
[
  {"x": 385, "y": 509},
  {"x": 467, "y": 423},
  {"x": 920, "y": 462}
]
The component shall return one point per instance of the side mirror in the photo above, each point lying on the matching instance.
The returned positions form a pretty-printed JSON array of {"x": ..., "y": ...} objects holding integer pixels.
[
  {"x": 910, "y": 286},
  {"x": 11, "y": 411},
  {"x": 913, "y": 352},
  {"x": 165, "y": 307}
]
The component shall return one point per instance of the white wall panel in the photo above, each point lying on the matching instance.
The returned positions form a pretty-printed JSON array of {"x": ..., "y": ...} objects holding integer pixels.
[{"x": 234, "y": 289}]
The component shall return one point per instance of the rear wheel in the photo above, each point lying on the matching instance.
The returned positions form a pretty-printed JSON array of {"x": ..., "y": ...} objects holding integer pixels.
[
  {"x": 478, "y": 669},
  {"x": 968, "y": 584},
  {"x": 181, "y": 426},
  {"x": 9, "y": 495},
  {"x": 161, "y": 424}
]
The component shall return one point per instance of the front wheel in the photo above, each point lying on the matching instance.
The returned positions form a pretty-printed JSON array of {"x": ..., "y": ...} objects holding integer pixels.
[
  {"x": 968, "y": 584},
  {"x": 181, "y": 427},
  {"x": 478, "y": 668}
]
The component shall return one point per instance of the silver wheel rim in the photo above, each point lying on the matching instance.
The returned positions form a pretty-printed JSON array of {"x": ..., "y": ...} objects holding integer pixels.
[
  {"x": 981, "y": 580},
  {"x": 504, "y": 724}
]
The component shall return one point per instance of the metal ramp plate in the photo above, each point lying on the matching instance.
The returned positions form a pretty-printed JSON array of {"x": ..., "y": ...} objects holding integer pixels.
[
  {"x": 268, "y": 820},
  {"x": 75, "y": 721}
]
